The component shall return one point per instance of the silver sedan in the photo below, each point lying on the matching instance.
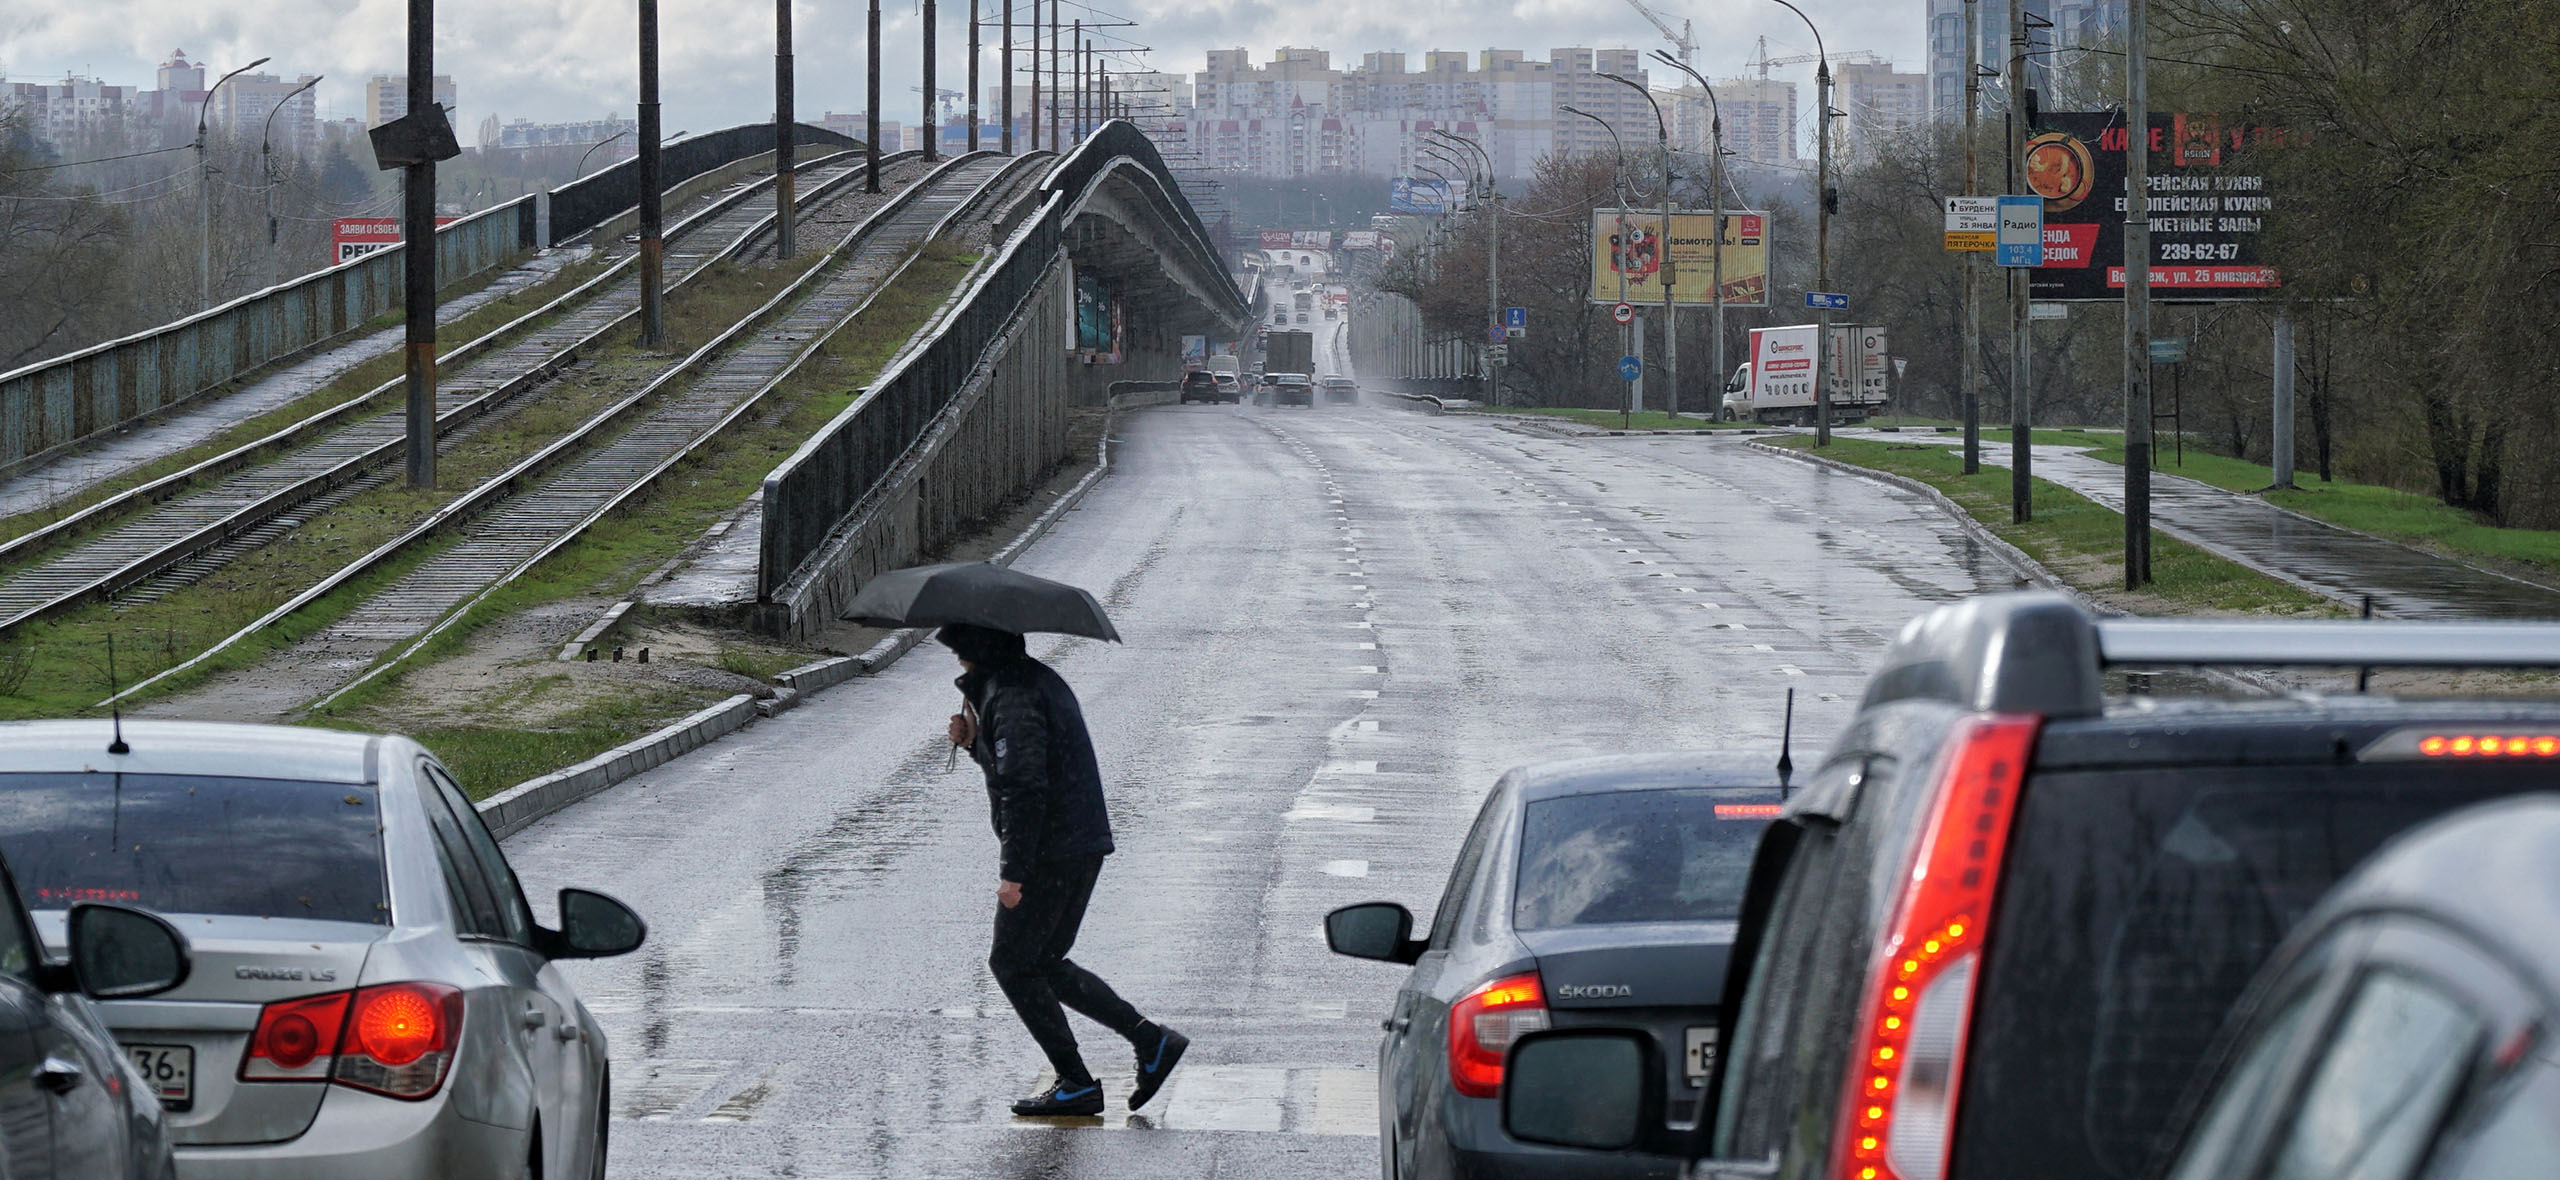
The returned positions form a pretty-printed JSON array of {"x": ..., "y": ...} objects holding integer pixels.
[{"x": 371, "y": 994}]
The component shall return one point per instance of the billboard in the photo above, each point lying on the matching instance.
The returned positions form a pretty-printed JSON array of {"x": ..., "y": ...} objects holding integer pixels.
[
  {"x": 351, "y": 238},
  {"x": 1423, "y": 195},
  {"x": 1311, "y": 239},
  {"x": 1274, "y": 239},
  {"x": 1627, "y": 243},
  {"x": 1360, "y": 239},
  {"x": 2209, "y": 205}
]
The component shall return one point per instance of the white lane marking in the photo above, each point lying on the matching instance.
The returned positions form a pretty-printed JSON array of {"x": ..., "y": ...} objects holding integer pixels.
[
  {"x": 1365, "y": 726},
  {"x": 1326, "y": 1009},
  {"x": 1344, "y": 868},
  {"x": 1350, "y": 766},
  {"x": 1227, "y": 1098},
  {"x": 1362, "y": 694},
  {"x": 1791, "y": 669},
  {"x": 1365, "y": 669},
  {"x": 1346, "y": 1102},
  {"x": 1338, "y": 812}
]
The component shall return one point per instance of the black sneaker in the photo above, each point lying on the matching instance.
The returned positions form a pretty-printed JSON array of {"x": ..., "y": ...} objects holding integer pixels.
[
  {"x": 1063, "y": 1101},
  {"x": 1155, "y": 1064}
]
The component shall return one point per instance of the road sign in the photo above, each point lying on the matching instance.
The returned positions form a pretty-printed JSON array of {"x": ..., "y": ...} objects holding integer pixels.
[
  {"x": 1496, "y": 335},
  {"x": 2048, "y": 311},
  {"x": 1973, "y": 223},
  {"x": 1497, "y": 354},
  {"x": 1629, "y": 368},
  {"x": 2021, "y": 232},
  {"x": 2168, "y": 350},
  {"x": 1516, "y": 333},
  {"x": 1830, "y": 300},
  {"x": 1624, "y": 313},
  {"x": 1515, "y": 317}
]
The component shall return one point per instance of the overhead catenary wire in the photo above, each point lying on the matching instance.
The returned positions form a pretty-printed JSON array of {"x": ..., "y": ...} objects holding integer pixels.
[{"x": 100, "y": 160}]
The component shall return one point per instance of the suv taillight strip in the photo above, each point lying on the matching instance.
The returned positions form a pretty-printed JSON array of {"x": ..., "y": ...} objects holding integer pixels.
[{"x": 1898, "y": 1107}]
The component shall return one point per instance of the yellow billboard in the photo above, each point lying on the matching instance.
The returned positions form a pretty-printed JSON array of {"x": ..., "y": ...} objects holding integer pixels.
[{"x": 1628, "y": 255}]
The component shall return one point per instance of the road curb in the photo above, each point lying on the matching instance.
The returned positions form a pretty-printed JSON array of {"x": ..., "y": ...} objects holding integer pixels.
[
  {"x": 2017, "y": 558},
  {"x": 516, "y": 808}
]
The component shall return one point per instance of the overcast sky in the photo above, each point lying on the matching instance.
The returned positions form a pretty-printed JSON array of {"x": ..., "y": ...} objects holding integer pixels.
[{"x": 552, "y": 60}]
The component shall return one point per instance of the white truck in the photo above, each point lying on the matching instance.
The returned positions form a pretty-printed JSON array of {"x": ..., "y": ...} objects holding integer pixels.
[{"x": 1776, "y": 384}]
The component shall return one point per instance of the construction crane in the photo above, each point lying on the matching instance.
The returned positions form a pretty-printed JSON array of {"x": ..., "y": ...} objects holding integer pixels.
[
  {"x": 946, "y": 103},
  {"x": 1844, "y": 57},
  {"x": 1681, "y": 40}
]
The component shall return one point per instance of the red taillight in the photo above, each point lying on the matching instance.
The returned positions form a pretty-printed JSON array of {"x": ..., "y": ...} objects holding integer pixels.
[
  {"x": 393, "y": 1038},
  {"x": 1898, "y": 1113},
  {"x": 295, "y": 1039},
  {"x": 2490, "y": 745},
  {"x": 1482, "y": 1026}
]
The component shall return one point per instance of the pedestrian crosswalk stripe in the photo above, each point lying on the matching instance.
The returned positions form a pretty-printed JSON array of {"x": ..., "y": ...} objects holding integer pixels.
[{"x": 1253, "y": 1099}]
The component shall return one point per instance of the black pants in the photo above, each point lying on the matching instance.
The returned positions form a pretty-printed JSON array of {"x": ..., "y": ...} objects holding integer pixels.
[{"x": 1031, "y": 965}]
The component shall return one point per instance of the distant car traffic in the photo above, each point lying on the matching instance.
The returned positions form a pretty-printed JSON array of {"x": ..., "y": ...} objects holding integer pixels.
[
  {"x": 1341, "y": 389},
  {"x": 1292, "y": 389},
  {"x": 1592, "y": 894},
  {"x": 1230, "y": 390},
  {"x": 1993, "y": 935},
  {"x": 1199, "y": 385},
  {"x": 74, "y": 1104},
  {"x": 373, "y": 995},
  {"x": 2405, "y": 1029}
]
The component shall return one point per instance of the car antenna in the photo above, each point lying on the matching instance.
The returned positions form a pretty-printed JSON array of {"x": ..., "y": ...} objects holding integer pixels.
[
  {"x": 1786, "y": 740},
  {"x": 2364, "y": 675},
  {"x": 116, "y": 710}
]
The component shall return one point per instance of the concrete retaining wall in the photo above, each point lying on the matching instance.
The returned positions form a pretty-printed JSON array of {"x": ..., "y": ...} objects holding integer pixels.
[{"x": 1006, "y": 430}]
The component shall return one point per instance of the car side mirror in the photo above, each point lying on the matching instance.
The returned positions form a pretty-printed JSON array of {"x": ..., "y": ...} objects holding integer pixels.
[
  {"x": 120, "y": 953},
  {"x": 594, "y": 926},
  {"x": 1380, "y": 930}
]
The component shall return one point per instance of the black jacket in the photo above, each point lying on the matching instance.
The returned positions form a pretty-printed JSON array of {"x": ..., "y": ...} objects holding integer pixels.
[{"x": 1043, "y": 784}]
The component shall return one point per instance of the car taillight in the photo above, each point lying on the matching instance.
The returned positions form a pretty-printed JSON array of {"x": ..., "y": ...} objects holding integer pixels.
[
  {"x": 1482, "y": 1026},
  {"x": 394, "y": 1038},
  {"x": 1898, "y": 1113},
  {"x": 295, "y": 1039}
]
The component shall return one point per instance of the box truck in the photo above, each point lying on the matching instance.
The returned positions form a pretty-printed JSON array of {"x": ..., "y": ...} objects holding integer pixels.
[
  {"x": 1289, "y": 352},
  {"x": 1776, "y": 384}
]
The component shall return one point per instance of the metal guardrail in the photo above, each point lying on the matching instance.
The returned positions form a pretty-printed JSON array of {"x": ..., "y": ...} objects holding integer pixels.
[{"x": 56, "y": 403}]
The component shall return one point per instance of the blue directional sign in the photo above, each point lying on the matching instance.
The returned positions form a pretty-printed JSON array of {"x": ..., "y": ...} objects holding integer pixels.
[
  {"x": 1827, "y": 300},
  {"x": 1515, "y": 317},
  {"x": 1630, "y": 368},
  {"x": 2021, "y": 239}
]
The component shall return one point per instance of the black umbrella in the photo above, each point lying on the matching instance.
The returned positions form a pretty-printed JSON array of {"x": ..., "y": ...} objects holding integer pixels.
[{"x": 980, "y": 595}]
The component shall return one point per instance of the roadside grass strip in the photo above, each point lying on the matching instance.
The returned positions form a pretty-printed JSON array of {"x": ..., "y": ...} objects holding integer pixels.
[
  {"x": 1611, "y": 419},
  {"x": 2082, "y": 541}
]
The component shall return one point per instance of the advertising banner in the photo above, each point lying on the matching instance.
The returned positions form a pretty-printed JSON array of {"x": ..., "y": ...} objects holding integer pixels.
[
  {"x": 351, "y": 238},
  {"x": 1360, "y": 239},
  {"x": 1627, "y": 242},
  {"x": 1423, "y": 195},
  {"x": 2209, "y": 205},
  {"x": 1311, "y": 239},
  {"x": 1097, "y": 322},
  {"x": 1274, "y": 239}
]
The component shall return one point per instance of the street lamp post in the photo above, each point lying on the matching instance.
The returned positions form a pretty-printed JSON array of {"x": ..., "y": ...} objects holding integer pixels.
[
  {"x": 581, "y": 169},
  {"x": 1715, "y": 202},
  {"x": 204, "y": 187},
  {"x": 1822, "y": 201},
  {"x": 1630, "y": 337},
  {"x": 785, "y": 198},
  {"x": 1492, "y": 254},
  {"x": 1670, "y": 312},
  {"x": 266, "y": 165}
]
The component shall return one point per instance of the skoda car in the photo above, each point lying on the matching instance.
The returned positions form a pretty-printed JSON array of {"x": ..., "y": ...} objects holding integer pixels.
[
  {"x": 1591, "y": 894},
  {"x": 371, "y": 995}
]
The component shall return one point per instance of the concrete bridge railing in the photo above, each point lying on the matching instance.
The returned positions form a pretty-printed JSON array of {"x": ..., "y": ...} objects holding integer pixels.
[{"x": 53, "y": 405}]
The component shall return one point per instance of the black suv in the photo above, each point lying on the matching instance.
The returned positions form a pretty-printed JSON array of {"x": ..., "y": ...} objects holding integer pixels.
[
  {"x": 1995, "y": 933},
  {"x": 1201, "y": 385}
]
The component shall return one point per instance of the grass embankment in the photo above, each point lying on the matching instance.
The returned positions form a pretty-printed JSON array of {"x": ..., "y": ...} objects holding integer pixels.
[
  {"x": 354, "y": 383},
  {"x": 489, "y": 743},
  {"x": 58, "y": 666},
  {"x": 2418, "y": 520},
  {"x": 2081, "y": 541}
]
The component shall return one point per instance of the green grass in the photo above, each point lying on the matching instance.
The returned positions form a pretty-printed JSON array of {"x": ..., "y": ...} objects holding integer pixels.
[
  {"x": 2419, "y": 520},
  {"x": 611, "y": 557},
  {"x": 1611, "y": 419},
  {"x": 2081, "y": 541}
]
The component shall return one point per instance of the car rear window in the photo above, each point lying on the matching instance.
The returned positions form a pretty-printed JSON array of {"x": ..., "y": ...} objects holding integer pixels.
[
  {"x": 187, "y": 844},
  {"x": 1637, "y": 856},
  {"x": 2134, "y": 910}
]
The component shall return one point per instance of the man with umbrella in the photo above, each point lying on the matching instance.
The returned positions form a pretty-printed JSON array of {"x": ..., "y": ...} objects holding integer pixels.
[{"x": 1021, "y": 724}]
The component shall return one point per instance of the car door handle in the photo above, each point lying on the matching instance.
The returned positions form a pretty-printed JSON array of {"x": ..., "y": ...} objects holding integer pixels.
[
  {"x": 569, "y": 1030},
  {"x": 534, "y": 1017},
  {"x": 1396, "y": 1024},
  {"x": 60, "y": 1075}
]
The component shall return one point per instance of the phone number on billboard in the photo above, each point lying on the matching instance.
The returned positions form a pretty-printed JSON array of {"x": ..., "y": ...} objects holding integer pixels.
[{"x": 2199, "y": 251}]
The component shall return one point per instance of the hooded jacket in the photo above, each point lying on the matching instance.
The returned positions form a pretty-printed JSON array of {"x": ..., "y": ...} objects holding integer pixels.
[{"x": 1044, "y": 787}]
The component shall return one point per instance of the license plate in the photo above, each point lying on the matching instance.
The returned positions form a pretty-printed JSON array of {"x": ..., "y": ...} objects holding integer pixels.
[
  {"x": 1700, "y": 1057},
  {"x": 171, "y": 1070}
]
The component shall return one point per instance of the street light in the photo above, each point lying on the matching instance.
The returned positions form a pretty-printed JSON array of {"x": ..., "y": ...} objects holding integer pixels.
[
  {"x": 266, "y": 165},
  {"x": 1492, "y": 254},
  {"x": 581, "y": 169},
  {"x": 1715, "y": 202},
  {"x": 1822, "y": 228},
  {"x": 1618, "y": 254},
  {"x": 204, "y": 187},
  {"x": 1670, "y": 314}
]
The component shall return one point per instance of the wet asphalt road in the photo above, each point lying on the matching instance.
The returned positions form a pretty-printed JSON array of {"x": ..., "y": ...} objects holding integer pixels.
[{"x": 1342, "y": 624}]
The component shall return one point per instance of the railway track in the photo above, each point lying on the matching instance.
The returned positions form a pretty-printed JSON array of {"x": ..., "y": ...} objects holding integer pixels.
[
  {"x": 176, "y": 536},
  {"x": 524, "y": 514}
]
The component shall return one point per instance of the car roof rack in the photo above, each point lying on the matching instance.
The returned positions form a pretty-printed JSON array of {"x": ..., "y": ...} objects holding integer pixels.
[{"x": 2041, "y": 652}]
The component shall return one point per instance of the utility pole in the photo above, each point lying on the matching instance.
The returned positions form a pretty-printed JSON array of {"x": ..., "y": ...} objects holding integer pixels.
[
  {"x": 932, "y": 98},
  {"x": 1971, "y": 371},
  {"x": 2137, "y": 296},
  {"x": 2281, "y": 444},
  {"x": 653, "y": 246},
  {"x": 1033, "y": 115},
  {"x": 1005, "y": 63},
  {"x": 1822, "y": 251},
  {"x": 1054, "y": 54},
  {"x": 1077, "y": 120},
  {"x": 785, "y": 242},
  {"x": 418, "y": 268},
  {"x": 2022, "y": 506},
  {"x": 204, "y": 166},
  {"x": 871, "y": 106},
  {"x": 973, "y": 75}
]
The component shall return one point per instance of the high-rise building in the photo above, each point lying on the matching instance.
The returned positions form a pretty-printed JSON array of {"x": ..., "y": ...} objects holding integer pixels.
[
  {"x": 2055, "y": 25},
  {"x": 386, "y": 97},
  {"x": 1880, "y": 103},
  {"x": 1759, "y": 121},
  {"x": 241, "y": 109},
  {"x": 69, "y": 111}
]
